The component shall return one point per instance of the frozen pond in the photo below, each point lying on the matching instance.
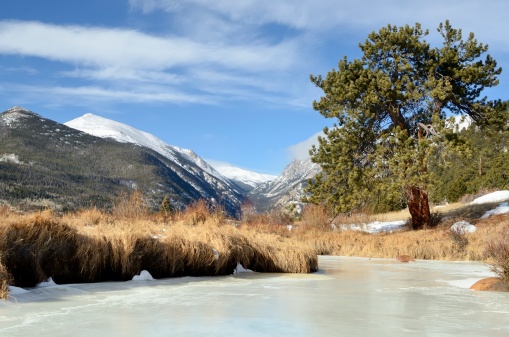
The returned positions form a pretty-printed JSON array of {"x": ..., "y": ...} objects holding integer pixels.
[{"x": 347, "y": 297}]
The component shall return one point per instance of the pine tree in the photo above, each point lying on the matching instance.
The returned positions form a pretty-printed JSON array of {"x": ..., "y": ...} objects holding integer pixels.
[
  {"x": 166, "y": 206},
  {"x": 391, "y": 107}
]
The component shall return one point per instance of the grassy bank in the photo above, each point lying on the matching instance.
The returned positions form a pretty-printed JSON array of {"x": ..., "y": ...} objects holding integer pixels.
[
  {"x": 438, "y": 243},
  {"x": 434, "y": 244},
  {"x": 92, "y": 246}
]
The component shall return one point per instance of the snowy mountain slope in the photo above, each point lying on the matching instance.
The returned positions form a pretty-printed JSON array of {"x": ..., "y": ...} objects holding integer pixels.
[
  {"x": 186, "y": 159},
  {"x": 47, "y": 163},
  {"x": 107, "y": 128},
  {"x": 247, "y": 180},
  {"x": 288, "y": 188}
]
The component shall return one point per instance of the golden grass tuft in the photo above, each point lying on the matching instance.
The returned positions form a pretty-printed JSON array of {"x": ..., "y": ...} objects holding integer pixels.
[
  {"x": 91, "y": 246},
  {"x": 433, "y": 244},
  {"x": 5, "y": 280}
]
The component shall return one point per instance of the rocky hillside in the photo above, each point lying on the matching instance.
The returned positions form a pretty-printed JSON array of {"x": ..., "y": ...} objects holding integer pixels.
[{"x": 286, "y": 189}]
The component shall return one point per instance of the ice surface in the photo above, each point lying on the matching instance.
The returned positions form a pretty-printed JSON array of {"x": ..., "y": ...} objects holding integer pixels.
[{"x": 347, "y": 297}]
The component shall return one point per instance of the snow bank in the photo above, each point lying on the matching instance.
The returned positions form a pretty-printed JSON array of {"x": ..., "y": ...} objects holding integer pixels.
[
  {"x": 16, "y": 290},
  {"x": 501, "y": 209},
  {"x": 377, "y": 226},
  {"x": 463, "y": 227},
  {"x": 492, "y": 197},
  {"x": 240, "y": 269},
  {"x": 144, "y": 276},
  {"x": 48, "y": 283}
]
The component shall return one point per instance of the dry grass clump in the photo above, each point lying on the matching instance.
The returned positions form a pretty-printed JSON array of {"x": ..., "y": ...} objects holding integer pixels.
[
  {"x": 275, "y": 217},
  {"x": 498, "y": 251},
  {"x": 316, "y": 216},
  {"x": 5, "y": 280},
  {"x": 91, "y": 246},
  {"x": 199, "y": 213},
  {"x": 434, "y": 244},
  {"x": 130, "y": 206}
]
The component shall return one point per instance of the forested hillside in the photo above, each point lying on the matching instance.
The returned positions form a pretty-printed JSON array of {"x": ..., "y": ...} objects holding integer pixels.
[{"x": 484, "y": 165}]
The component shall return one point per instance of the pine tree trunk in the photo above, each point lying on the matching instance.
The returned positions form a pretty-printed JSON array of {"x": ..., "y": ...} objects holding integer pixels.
[{"x": 418, "y": 206}]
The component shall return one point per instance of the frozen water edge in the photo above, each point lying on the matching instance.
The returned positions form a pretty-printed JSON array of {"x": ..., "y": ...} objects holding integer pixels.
[{"x": 348, "y": 296}]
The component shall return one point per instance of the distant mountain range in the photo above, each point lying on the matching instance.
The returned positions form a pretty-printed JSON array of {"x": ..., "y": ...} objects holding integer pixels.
[{"x": 88, "y": 160}]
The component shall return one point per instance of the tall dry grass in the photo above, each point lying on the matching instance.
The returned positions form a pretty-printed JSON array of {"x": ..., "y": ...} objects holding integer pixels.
[
  {"x": 5, "y": 280},
  {"x": 435, "y": 244},
  {"x": 498, "y": 251},
  {"x": 91, "y": 246}
]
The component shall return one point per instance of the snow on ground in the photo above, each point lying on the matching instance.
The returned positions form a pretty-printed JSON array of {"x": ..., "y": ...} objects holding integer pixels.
[
  {"x": 492, "y": 197},
  {"x": 143, "y": 276},
  {"x": 48, "y": 283},
  {"x": 250, "y": 178},
  {"x": 16, "y": 290},
  {"x": 377, "y": 226},
  {"x": 463, "y": 227},
  {"x": 501, "y": 209},
  {"x": 240, "y": 269}
]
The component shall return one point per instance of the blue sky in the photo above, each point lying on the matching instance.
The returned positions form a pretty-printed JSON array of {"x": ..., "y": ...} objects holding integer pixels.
[{"x": 227, "y": 79}]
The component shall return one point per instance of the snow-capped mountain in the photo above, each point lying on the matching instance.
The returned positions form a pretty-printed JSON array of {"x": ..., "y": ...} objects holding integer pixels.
[
  {"x": 245, "y": 179},
  {"x": 87, "y": 161},
  {"x": 48, "y": 163},
  {"x": 288, "y": 188},
  {"x": 107, "y": 128},
  {"x": 186, "y": 159}
]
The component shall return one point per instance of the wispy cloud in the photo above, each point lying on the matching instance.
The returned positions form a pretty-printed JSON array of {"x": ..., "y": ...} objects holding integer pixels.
[
  {"x": 122, "y": 48},
  {"x": 223, "y": 50},
  {"x": 301, "y": 150},
  {"x": 25, "y": 70},
  {"x": 89, "y": 95}
]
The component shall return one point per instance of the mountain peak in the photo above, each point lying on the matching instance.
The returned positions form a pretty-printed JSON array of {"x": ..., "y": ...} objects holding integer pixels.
[
  {"x": 11, "y": 118},
  {"x": 20, "y": 110}
]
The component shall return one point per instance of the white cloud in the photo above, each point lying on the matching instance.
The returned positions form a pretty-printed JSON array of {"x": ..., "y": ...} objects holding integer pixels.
[
  {"x": 115, "y": 74},
  {"x": 301, "y": 150},
  {"x": 86, "y": 95},
  {"x": 486, "y": 20},
  {"x": 123, "y": 48}
]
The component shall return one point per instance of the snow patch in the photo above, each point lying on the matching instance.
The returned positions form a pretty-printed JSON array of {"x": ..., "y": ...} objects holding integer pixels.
[
  {"x": 501, "y": 209},
  {"x": 48, "y": 283},
  {"x": 216, "y": 254},
  {"x": 240, "y": 269},
  {"x": 492, "y": 197},
  {"x": 377, "y": 226},
  {"x": 143, "y": 276},
  {"x": 247, "y": 177},
  {"x": 10, "y": 158},
  {"x": 16, "y": 290},
  {"x": 463, "y": 227}
]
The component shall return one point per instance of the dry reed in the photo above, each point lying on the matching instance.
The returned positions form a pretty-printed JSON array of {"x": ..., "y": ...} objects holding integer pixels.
[
  {"x": 5, "y": 280},
  {"x": 92, "y": 246}
]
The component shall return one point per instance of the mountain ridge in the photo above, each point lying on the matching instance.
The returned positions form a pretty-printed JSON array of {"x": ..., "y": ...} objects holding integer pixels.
[
  {"x": 46, "y": 160},
  {"x": 96, "y": 158}
]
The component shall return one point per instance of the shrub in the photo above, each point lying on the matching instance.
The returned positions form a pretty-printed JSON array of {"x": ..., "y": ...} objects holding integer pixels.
[
  {"x": 130, "y": 206},
  {"x": 316, "y": 216},
  {"x": 5, "y": 279},
  {"x": 498, "y": 251}
]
